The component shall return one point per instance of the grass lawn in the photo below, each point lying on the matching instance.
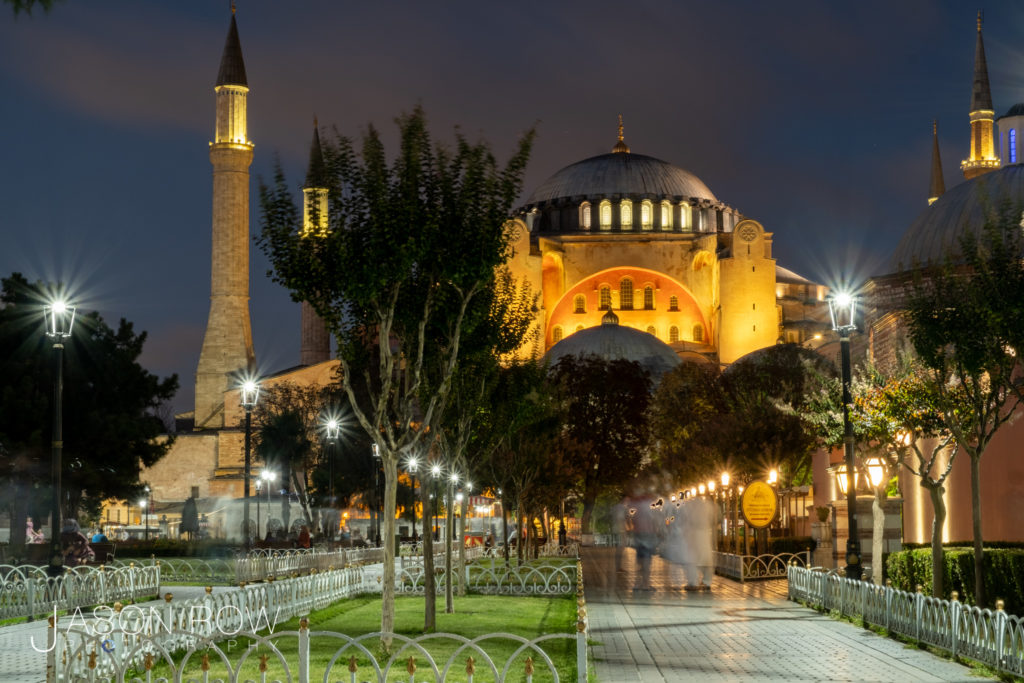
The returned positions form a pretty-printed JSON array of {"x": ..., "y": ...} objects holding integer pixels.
[{"x": 475, "y": 615}]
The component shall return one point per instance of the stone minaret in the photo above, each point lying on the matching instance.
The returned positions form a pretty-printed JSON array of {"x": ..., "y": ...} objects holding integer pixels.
[
  {"x": 937, "y": 186},
  {"x": 982, "y": 157},
  {"x": 316, "y": 341},
  {"x": 227, "y": 344}
]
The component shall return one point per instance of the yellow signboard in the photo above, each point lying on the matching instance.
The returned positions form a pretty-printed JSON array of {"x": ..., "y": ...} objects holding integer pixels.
[{"x": 759, "y": 504}]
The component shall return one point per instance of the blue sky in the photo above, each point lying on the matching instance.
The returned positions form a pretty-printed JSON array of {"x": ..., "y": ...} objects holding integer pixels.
[{"x": 813, "y": 118}]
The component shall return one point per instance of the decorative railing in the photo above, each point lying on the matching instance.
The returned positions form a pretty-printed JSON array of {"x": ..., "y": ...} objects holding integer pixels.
[
  {"x": 747, "y": 567},
  {"x": 199, "y": 640},
  {"x": 27, "y": 591},
  {"x": 543, "y": 579},
  {"x": 992, "y": 637}
]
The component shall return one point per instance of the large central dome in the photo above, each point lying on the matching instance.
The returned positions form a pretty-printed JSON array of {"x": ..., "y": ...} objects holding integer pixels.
[{"x": 621, "y": 174}]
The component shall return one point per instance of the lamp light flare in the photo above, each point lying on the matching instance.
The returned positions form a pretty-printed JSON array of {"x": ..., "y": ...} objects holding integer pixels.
[
  {"x": 700, "y": 489},
  {"x": 725, "y": 478},
  {"x": 843, "y": 299}
]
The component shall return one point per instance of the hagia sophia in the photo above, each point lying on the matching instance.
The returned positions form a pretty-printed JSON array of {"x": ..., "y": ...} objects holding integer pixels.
[{"x": 631, "y": 256}]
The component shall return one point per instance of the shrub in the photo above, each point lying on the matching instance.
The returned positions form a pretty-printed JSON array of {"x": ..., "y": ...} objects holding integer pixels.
[
  {"x": 1004, "y": 574},
  {"x": 790, "y": 544}
]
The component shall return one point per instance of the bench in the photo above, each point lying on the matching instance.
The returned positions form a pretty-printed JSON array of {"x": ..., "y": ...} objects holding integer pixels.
[{"x": 104, "y": 552}]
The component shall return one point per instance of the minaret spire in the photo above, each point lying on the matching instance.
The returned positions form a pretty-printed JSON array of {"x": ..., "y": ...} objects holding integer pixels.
[
  {"x": 316, "y": 340},
  {"x": 227, "y": 343},
  {"x": 620, "y": 147},
  {"x": 937, "y": 186},
  {"x": 982, "y": 157}
]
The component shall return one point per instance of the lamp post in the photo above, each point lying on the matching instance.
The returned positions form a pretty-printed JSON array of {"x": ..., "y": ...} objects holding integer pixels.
[
  {"x": 331, "y": 430},
  {"x": 435, "y": 473},
  {"x": 249, "y": 395},
  {"x": 268, "y": 477},
  {"x": 376, "y": 491},
  {"x": 259, "y": 487},
  {"x": 145, "y": 518},
  {"x": 412, "y": 465},
  {"x": 59, "y": 319},
  {"x": 842, "y": 307}
]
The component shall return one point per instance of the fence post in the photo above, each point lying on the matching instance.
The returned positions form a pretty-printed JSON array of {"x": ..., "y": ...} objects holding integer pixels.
[
  {"x": 954, "y": 626},
  {"x": 888, "y": 604},
  {"x": 1000, "y": 633},
  {"x": 303, "y": 672},
  {"x": 51, "y": 649},
  {"x": 918, "y": 610}
]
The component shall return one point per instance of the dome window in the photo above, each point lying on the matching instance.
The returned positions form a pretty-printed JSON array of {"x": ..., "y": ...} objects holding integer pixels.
[
  {"x": 556, "y": 334},
  {"x": 646, "y": 215},
  {"x": 579, "y": 304},
  {"x": 651, "y": 331},
  {"x": 666, "y": 216},
  {"x": 648, "y": 298},
  {"x": 673, "y": 303},
  {"x": 673, "y": 334},
  {"x": 585, "y": 215},
  {"x": 606, "y": 298},
  {"x": 1012, "y": 135},
  {"x": 606, "y": 215},
  {"x": 698, "y": 333},
  {"x": 626, "y": 214},
  {"x": 626, "y": 294}
]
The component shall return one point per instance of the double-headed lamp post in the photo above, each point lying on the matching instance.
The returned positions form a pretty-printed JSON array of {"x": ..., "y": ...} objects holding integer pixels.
[
  {"x": 59, "y": 319},
  {"x": 843, "y": 309},
  {"x": 250, "y": 393}
]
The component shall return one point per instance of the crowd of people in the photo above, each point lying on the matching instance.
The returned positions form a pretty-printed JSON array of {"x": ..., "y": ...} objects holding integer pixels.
[{"x": 680, "y": 531}]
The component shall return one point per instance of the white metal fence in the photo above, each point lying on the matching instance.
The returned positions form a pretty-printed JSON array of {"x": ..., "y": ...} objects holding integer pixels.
[
  {"x": 989, "y": 636},
  {"x": 747, "y": 567},
  {"x": 27, "y": 591},
  {"x": 492, "y": 577}
]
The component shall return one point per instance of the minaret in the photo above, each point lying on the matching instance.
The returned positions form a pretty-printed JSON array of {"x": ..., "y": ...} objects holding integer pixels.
[
  {"x": 316, "y": 341},
  {"x": 227, "y": 344},
  {"x": 937, "y": 186},
  {"x": 982, "y": 157}
]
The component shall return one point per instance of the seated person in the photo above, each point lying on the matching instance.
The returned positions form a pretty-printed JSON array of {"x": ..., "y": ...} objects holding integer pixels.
[
  {"x": 76, "y": 545},
  {"x": 33, "y": 536},
  {"x": 99, "y": 536}
]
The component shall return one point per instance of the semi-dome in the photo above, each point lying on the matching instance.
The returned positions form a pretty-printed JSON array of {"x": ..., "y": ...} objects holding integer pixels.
[
  {"x": 935, "y": 234},
  {"x": 622, "y": 174},
  {"x": 611, "y": 341}
]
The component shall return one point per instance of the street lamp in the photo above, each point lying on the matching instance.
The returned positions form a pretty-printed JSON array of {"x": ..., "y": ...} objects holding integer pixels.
[
  {"x": 249, "y": 395},
  {"x": 843, "y": 307},
  {"x": 59, "y": 319},
  {"x": 268, "y": 477},
  {"x": 331, "y": 430},
  {"x": 376, "y": 492},
  {"x": 412, "y": 464},
  {"x": 145, "y": 518},
  {"x": 435, "y": 473}
]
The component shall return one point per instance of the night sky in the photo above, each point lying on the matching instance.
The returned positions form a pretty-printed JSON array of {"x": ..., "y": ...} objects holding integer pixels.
[{"x": 813, "y": 118}]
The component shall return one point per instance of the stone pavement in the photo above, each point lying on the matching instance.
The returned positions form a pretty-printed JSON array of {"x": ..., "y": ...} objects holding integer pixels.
[{"x": 734, "y": 632}]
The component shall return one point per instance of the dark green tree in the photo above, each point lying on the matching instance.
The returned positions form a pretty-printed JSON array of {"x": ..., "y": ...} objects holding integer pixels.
[
  {"x": 411, "y": 245},
  {"x": 110, "y": 407}
]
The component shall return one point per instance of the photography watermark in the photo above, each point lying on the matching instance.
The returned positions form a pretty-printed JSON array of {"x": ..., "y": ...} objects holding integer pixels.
[{"x": 135, "y": 620}]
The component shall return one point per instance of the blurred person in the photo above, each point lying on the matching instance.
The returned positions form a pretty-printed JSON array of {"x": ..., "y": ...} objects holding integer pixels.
[
  {"x": 31, "y": 535},
  {"x": 99, "y": 536},
  {"x": 76, "y": 546},
  {"x": 645, "y": 541}
]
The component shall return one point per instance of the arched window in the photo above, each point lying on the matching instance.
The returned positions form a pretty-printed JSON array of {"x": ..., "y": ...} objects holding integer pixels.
[
  {"x": 579, "y": 304},
  {"x": 606, "y": 215},
  {"x": 673, "y": 303},
  {"x": 556, "y": 334},
  {"x": 698, "y": 333},
  {"x": 673, "y": 334},
  {"x": 626, "y": 214},
  {"x": 646, "y": 215},
  {"x": 585, "y": 215},
  {"x": 649, "y": 298},
  {"x": 666, "y": 216},
  {"x": 626, "y": 294},
  {"x": 606, "y": 298},
  {"x": 1013, "y": 146},
  {"x": 684, "y": 217},
  {"x": 651, "y": 331}
]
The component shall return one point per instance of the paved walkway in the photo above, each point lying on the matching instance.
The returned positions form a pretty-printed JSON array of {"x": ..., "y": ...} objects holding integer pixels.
[{"x": 734, "y": 632}]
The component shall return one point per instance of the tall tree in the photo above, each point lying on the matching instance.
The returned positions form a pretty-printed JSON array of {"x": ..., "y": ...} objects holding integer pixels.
[
  {"x": 603, "y": 407},
  {"x": 411, "y": 244},
  {"x": 966, "y": 324},
  {"x": 110, "y": 406}
]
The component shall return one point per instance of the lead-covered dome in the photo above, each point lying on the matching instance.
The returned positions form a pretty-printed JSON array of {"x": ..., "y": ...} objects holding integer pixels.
[
  {"x": 621, "y": 174},
  {"x": 935, "y": 234},
  {"x": 611, "y": 341}
]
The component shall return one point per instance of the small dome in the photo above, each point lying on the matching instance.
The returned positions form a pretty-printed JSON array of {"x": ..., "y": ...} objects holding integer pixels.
[
  {"x": 935, "y": 234},
  {"x": 620, "y": 173},
  {"x": 1015, "y": 110},
  {"x": 611, "y": 341}
]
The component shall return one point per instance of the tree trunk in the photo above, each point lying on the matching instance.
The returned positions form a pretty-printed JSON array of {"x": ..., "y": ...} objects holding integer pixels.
[
  {"x": 877, "y": 535},
  {"x": 387, "y": 584},
  {"x": 449, "y": 531},
  {"x": 462, "y": 547},
  {"x": 429, "y": 589},
  {"x": 935, "y": 492},
  {"x": 589, "y": 500},
  {"x": 979, "y": 551}
]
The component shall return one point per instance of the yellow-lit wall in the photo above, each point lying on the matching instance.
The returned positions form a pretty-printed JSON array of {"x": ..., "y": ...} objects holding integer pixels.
[{"x": 749, "y": 318}]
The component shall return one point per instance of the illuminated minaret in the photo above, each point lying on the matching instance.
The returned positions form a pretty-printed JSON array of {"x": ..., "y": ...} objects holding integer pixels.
[
  {"x": 937, "y": 186},
  {"x": 316, "y": 342},
  {"x": 982, "y": 157},
  {"x": 227, "y": 344}
]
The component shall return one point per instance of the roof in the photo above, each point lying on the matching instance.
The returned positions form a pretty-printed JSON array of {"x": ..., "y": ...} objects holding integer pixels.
[
  {"x": 232, "y": 67},
  {"x": 612, "y": 341},
  {"x": 1015, "y": 110},
  {"x": 621, "y": 173},
  {"x": 316, "y": 175},
  {"x": 935, "y": 233},
  {"x": 789, "y": 277},
  {"x": 981, "y": 93}
]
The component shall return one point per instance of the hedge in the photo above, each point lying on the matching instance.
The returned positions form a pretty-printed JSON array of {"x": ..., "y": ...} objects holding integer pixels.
[{"x": 1004, "y": 574}]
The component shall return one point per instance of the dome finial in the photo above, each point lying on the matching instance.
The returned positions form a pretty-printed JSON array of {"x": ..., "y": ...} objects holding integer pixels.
[
  {"x": 610, "y": 318},
  {"x": 981, "y": 17},
  {"x": 620, "y": 147},
  {"x": 233, "y": 8}
]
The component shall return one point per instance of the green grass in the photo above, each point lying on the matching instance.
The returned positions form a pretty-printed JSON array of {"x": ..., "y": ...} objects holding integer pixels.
[{"x": 475, "y": 615}]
